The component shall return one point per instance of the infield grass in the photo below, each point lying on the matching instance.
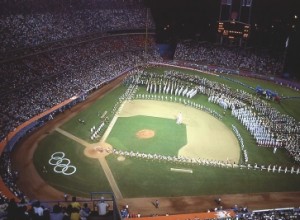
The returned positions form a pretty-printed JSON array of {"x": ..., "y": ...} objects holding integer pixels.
[{"x": 168, "y": 138}]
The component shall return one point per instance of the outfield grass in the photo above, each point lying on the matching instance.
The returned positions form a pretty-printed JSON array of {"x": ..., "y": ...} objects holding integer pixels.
[
  {"x": 140, "y": 178},
  {"x": 168, "y": 138},
  {"x": 89, "y": 176}
]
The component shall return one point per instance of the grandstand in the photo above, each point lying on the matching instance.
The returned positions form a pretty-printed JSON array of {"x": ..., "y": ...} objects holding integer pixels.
[{"x": 56, "y": 55}]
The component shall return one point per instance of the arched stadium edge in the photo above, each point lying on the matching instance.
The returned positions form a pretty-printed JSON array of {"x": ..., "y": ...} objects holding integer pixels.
[{"x": 9, "y": 142}]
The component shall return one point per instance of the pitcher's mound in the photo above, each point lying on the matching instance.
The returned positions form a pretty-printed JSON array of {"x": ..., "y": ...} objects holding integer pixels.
[
  {"x": 98, "y": 150},
  {"x": 145, "y": 133}
]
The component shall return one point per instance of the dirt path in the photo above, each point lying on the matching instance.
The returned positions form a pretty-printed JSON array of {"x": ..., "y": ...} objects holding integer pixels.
[
  {"x": 34, "y": 187},
  {"x": 101, "y": 158},
  {"x": 71, "y": 136}
]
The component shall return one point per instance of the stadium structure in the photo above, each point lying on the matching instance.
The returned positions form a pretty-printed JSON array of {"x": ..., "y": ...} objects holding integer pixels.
[{"x": 71, "y": 71}]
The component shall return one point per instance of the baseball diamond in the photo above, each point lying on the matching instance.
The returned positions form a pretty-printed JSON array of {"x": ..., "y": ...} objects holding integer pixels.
[
  {"x": 200, "y": 128},
  {"x": 210, "y": 148},
  {"x": 170, "y": 110}
]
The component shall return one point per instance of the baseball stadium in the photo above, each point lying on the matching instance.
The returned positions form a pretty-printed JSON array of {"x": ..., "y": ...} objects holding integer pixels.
[{"x": 98, "y": 113}]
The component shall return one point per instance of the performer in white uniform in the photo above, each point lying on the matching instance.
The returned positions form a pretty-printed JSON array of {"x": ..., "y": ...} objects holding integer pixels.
[{"x": 179, "y": 118}]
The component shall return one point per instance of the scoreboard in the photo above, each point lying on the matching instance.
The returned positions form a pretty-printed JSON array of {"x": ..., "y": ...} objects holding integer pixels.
[{"x": 233, "y": 29}]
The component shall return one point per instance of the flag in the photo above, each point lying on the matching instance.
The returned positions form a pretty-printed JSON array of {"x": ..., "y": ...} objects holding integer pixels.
[
  {"x": 180, "y": 90},
  {"x": 185, "y": 91},
  {"x": 247, "y": 3},
  {"x": 226, "y": 2},
  {"x": 176, "y": 90},
  {"x": 168, "y": 88}
]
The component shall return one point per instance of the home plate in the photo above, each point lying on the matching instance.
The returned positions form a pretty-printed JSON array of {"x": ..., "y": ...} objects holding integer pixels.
[{"x": 182, "y": 170}]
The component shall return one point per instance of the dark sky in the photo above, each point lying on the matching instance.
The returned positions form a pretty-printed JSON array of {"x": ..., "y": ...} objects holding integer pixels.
[
  {"x": 272, "y": 21},
  {"x": 190, "y": 17}
]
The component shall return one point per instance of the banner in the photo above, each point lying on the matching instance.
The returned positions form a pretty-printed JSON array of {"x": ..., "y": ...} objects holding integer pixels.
[
  {"x": 247, "y": 3},
  {"x": 226, "y": 2}
]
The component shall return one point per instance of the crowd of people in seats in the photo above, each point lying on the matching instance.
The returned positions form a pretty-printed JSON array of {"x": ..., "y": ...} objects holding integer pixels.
[
  {"x": 9, "y": 176},
  {"x": 35, "y": 210},
  {"x": 74, "y": 210},
  {"x": 35, "y": 6},
  {"x": 67, "y": 210},
  {"x": 49, "y": 78},
  {"x": 269, "y": 214},
  {"x": 228, "y": 57},
  {"x": 22, "y": 30}
]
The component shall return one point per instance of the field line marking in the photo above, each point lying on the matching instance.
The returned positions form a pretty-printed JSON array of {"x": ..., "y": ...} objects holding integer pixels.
[
  {"x": 111, "y": 124},
  {"x": 71, "y": 136},
  {"x": 102, "y": 161},
  {"x": 111, "y": 179},
  {"x": 181, "y": 170}
]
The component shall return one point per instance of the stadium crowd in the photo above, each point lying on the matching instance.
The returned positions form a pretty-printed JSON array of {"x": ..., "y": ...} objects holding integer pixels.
[
  {"x": 228, "y": 57},
  {"x": 23, "y": 30},
  {"x": 47, "y": 79},
  {"x": 66, "y": 64},
  {"x": 9, "y": 176},
  {"x": 69, "y": 210}
]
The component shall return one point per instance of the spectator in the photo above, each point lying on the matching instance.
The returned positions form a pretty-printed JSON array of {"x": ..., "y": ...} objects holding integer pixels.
[
  {"x": 102, "y": 207},
  {"x": 84, "y": 212},
  {"x": 56, "y": 213}
]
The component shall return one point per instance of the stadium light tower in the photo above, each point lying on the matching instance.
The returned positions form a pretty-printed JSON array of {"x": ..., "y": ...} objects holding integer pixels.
[{"x": 234, "y": 21}]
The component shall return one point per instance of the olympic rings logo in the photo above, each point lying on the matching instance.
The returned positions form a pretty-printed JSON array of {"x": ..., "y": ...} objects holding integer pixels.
[{"x": 61, "y": 164}]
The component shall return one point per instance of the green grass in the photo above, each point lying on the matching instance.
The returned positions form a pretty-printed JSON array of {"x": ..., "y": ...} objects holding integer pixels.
[
  {"x": 89, "y": 176},
  {"x": 140, "y": 178},
  {"x": 168, "y": 138},
  {"x": 92, "y": 115}
]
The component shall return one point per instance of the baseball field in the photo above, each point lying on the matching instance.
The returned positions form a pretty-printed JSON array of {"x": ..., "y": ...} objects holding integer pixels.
[{"x": 135, "y": 148}]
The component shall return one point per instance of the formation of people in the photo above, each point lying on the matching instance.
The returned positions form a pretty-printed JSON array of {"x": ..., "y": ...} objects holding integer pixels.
[
  {"x": 208, "y": 162},
  {"x": 268, "y": 126}
]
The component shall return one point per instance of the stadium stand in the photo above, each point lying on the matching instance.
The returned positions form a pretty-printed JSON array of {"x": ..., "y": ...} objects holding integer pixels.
[{"x": 52, "y": 51}]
